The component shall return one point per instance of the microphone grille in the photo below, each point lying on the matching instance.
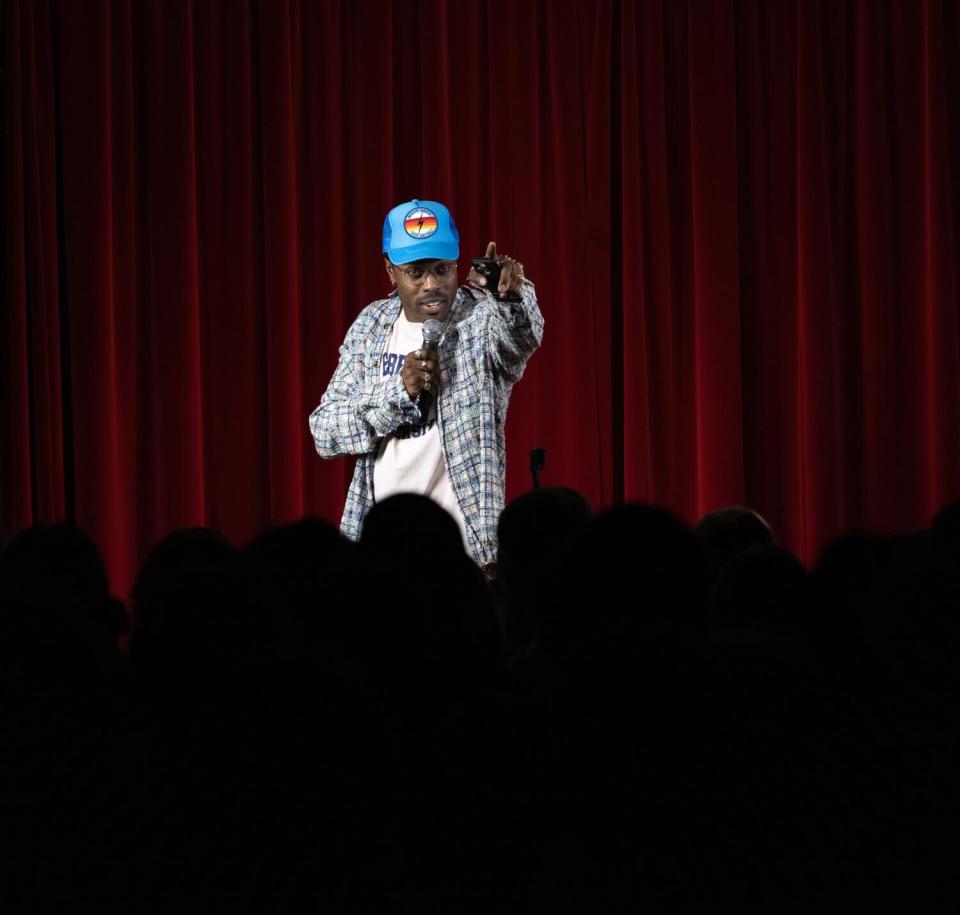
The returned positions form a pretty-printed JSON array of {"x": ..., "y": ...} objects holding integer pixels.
[{"x": 432, "y": 329}]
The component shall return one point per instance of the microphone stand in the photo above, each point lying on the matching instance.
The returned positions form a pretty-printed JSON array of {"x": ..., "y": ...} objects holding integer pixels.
[{"x": 538, "y": 460}]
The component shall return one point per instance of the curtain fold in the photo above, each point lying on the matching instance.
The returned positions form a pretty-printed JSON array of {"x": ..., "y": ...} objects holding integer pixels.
[
  {"x": 741, "y": 218},
  {"x": 35, "y": 472}
]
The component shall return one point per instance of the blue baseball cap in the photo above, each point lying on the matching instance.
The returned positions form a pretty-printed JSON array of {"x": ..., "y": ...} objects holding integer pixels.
[{"x": 420, "y": 230}]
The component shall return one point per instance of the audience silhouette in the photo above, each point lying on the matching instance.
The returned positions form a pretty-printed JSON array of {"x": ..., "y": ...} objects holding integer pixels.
[{"x": 636, "y": 715}]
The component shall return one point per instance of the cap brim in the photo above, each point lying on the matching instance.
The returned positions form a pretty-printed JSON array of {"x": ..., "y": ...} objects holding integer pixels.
[{"x": 424, "y": 250}]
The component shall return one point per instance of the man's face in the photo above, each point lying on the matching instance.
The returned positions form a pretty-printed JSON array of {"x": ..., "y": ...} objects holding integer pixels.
[{"x": 426, "y": 288}]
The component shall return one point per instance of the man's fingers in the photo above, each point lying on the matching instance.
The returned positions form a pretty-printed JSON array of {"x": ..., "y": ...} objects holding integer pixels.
[
  {"x": 417, "y": 370},
  {"x": 475, "y": 278},
  {"x": 510, "y": 277},
  {"x": 420, "y": 374},
  {"x": 491, "y": 251},
  {"x": 426, "y": 360}
]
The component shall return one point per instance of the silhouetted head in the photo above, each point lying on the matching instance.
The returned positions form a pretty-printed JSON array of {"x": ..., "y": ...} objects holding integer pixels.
[
  {"x": 537, "y": 524},
  {"x": 54, "y": 592},
  {"x": 300, "y": 578},
  {"x": 946, "y": 524},
  {"x": 945, "y": 560},
  {"x": 762, "y": 590},
  {"x": 728, "y": 531},
  {"x": 945, "y": 541},
  {"x": 852, "y": 584},
  {"x": 642, "y": 572},
  {"x": 851, "y": 568},
  {"x": 429, "y": 614},
  {"x": 412, "y": 528},
  {"x": 184, "y": 603},
  {"x": 540, "y": 535}
]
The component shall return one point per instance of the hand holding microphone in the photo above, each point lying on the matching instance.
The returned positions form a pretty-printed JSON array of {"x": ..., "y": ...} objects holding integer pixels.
[{"x": 421, "y": 368}]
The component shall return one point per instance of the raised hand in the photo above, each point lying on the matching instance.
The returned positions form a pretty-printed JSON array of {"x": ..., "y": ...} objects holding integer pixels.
[{"x": 511, "y": 273}]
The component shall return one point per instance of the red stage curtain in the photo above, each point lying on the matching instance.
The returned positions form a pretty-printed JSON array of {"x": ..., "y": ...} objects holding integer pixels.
[{"x": 741, "y": 216}]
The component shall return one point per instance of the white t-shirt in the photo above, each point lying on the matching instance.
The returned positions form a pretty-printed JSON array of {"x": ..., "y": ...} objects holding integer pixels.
[{"x": 411, "y": 460}]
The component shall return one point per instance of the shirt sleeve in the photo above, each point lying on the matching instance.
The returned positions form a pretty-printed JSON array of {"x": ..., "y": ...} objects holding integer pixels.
[
  {"x": 359, "y": 408},
  {"x": 513, "y": 331}
]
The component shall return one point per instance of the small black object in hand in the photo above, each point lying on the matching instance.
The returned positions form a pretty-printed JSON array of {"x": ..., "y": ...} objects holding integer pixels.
[{"x": 489, "y": 269}]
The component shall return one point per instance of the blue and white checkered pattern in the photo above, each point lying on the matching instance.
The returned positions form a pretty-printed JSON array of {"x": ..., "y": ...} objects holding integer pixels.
[{"x": 484, "y": 349}]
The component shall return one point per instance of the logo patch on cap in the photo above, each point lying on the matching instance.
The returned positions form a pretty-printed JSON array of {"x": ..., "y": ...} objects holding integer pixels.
[{"x": 420, "y": 223}]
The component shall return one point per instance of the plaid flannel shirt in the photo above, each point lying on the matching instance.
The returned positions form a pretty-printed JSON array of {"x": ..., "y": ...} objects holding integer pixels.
[{"x": 484, "y": 348}]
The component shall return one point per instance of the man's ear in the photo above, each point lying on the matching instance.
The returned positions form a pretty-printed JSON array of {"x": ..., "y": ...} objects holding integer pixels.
[{"x": 389, "y": 267}]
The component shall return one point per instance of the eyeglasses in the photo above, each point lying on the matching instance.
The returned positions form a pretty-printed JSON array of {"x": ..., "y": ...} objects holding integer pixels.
[{"x": 441, "y": 271}]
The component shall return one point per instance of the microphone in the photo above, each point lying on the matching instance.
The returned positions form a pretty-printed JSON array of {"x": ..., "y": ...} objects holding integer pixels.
[{"x": 432, "y": 329}]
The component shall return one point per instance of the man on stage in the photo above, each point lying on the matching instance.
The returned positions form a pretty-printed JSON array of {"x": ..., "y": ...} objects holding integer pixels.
[{"x": 423, "y": 417}]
